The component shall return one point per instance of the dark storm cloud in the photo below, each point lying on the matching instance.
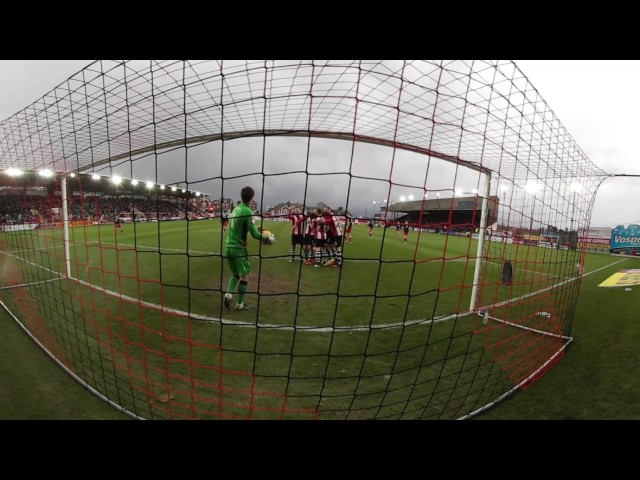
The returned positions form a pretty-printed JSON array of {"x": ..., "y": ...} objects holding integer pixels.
[{"x": 299, "y": 169}]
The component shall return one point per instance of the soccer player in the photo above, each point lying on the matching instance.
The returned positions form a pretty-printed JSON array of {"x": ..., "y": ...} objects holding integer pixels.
[
  {"x": 297, "y": 232},
  {"x": 240, "y": 224},
  {"x": 370, "y": 228},
  {"x": 331, "y": 241},
  {"x": 224, "y": 218},
  {"x": 335, "y": 229},
  {"x": 406, "y": 231},
  {"x": 397, "y": 228},
  {"x": 118, "y": 224},
  {"x": 348, "y": 229},
  {"x": 309, "y": 237},
  {"x": 320, "y": 243}
]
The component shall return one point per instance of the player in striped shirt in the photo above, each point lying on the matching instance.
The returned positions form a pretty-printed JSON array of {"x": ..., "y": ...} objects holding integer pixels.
[
  {"x": 309, "y": 237},
  {"x": 297, "y": 232},
  {"x": 334, "y": 238},
  {"x": 320, "y": 243}
]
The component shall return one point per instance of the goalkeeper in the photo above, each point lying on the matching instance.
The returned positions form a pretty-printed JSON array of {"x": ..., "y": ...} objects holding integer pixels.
[{"x": 240, "y": 224}]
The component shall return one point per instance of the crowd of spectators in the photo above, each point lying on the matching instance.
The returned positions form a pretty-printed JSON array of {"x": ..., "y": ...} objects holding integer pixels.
[{"x": 96, "y": 209}]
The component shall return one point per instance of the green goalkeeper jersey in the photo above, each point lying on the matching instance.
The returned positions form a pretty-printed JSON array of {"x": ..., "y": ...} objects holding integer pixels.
[{"x": 240, "y": 224}]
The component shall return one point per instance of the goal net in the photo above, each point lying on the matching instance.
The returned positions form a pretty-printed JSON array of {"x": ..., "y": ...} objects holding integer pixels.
[{"x": 426, "y": 260}]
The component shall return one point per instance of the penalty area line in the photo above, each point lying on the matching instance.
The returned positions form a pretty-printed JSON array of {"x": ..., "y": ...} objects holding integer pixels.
[
  {"x": 240, "y": 323},
  {"x": 531, "y": 294},
  {"x": 19, "y": 285}
]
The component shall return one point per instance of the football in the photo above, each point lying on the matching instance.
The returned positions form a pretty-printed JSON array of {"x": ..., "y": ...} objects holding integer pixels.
[{"x": 268, "y": 234}]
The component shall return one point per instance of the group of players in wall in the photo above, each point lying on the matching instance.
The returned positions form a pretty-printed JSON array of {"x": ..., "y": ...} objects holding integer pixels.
[{"x": 321, "y": 236}]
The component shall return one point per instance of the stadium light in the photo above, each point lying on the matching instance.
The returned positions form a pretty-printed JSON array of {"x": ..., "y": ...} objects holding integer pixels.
[
  {"x": 184, "y": 191},
  {"x": 576, "y": 187},
  {"x": 173, "y": 189},
  {"x": 95, "y": 176},
  {"x": 532, "y": 188},
  {"x": 72, "y": 175},
  {"x": 161, "y": 187},
  {"x": 116, "y": 179},
  {"x": 46, "y": 173},
  {"x": 411, "y": 197},
  {"x": 403, "y": 198},
  {"x": 197, "y": 194},
  {"x": 134, "y": 182},
  {"x": 460, "y": 192},
  {"x": 13, "y": 172},
  {"x": 149, "y": 184}
]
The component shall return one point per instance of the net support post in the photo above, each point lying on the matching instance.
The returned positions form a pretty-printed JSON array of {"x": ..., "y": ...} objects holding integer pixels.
[
  {"x": 481, "y": 232},
  {"x": 65, "y": 227}
]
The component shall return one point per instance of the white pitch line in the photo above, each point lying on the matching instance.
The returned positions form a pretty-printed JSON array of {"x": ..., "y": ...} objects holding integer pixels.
[
  {"x": 239, "y": 323},
  {"x": 34, "y": 264},
  {"x": 73, "y": 375},
  {"x": 155, "y": 249},
  {"x": 52, "y": 247},
  {"x": 506, "y": 302},
  {"x": 30, "y": 284},
  {"x": 530, "y": 271}
]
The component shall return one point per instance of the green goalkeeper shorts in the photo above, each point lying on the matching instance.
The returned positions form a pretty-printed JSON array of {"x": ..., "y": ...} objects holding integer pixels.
[{"x": 238, "y": 260}]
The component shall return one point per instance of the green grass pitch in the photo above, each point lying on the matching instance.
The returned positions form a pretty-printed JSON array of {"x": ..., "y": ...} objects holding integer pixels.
[{"x": 386, "y": 336}]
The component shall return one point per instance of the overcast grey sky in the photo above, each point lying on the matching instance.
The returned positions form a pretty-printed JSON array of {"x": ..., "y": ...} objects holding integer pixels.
[{"x": 596, "y": 101}]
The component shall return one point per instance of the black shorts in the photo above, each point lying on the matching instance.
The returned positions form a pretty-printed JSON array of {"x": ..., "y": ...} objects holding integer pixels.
[
  {"x": 338, "y": 241},
  {"x": 330, "y": 238},
  {"x": 308, "y": 239},
  {"x": 320, "y": 242},
  {"x": 297, "y": 239}
]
